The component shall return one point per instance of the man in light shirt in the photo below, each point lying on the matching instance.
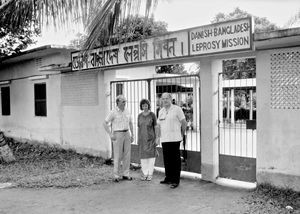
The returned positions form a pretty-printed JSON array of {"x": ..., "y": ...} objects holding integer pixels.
[
  {"x": 121, "y": 121},
  {"x": 172, "y": 125}
]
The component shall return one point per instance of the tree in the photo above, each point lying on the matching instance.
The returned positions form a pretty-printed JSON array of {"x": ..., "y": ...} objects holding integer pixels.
[
  {"x": 242, "y": 68},
  {"x": 239, "y": 68},
  {"x": 100, "y": 16},
  {"x": 171, "y": 69},
  {"x": 260, "y": 23},
  {"x": 11, "y": 43},
  {"x": 294, "y": 21},
  {"x": 14, "y": 41},
  {"x": 133, "y": 29}
]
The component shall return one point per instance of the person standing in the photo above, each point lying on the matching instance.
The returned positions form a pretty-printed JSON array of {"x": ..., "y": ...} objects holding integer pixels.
[
  {"x": 121, "y": 122},
  {"x": 147, "y": 132},
  {"x": 172, "y": 125}
]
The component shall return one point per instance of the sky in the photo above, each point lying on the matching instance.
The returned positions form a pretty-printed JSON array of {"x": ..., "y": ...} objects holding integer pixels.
[{"x": 182, "y": 14}]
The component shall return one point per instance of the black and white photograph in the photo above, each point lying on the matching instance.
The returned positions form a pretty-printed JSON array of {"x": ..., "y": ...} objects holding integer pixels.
[{"x": 149, "y": 106}]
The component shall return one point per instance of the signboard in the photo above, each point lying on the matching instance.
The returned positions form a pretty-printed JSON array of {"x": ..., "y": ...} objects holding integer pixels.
[
  {"x": 221, "y": 37},
  {"x": 234, "y": 35},
  {"x": 158, "y": 48}
]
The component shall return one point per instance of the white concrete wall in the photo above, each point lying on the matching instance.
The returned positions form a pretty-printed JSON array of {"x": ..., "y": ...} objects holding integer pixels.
[
  {"x": 278, "y": 133},
  {"x": 22, "y": 123},
  {"x": 82, "y": 124},
  {"x": 135, "y": 73}
]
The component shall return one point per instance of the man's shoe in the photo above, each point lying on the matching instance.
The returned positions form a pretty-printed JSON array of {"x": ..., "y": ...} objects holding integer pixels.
[
  {"x": 165, "y": 182},
  {"x": 174, "y": 185},
  {"x": 127, "y": 178},
  {"x": 116, "y": 180}
]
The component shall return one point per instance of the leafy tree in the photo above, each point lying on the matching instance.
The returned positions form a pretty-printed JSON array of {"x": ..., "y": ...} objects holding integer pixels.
[
  {"x": 11, "y": 43},
  {"x": 242, "y": 68},
  {"x": 239, "y": 68},
  {"x": 294, "y": 21},
  {"x": 171, "y": 69},
  {"x": 14, "y": 41},
  {"x": 260, "y": 23},
  {"x": 100, "y": 17},
  {"x": 133, "y": 29},
  {"x": 245, "y": 67}
]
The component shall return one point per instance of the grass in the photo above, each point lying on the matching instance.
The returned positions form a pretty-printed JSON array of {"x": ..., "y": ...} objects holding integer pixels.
[
  {"x": 41, "y": 165},
  {"x": 269, "y": 199}
]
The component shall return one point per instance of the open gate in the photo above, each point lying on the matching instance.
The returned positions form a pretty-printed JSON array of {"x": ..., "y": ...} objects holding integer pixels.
[
  {"x": 237, "y": 126},
  {"x": 185, "y": 92}
]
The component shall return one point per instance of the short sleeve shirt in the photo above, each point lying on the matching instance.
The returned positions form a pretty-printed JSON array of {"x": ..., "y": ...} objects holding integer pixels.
[
  {"x": 170, "y": 125},
  {"x": 119, "y": 119}
]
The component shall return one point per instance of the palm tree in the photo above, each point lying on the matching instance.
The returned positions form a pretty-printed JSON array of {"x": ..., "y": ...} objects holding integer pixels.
[{"x": 98, "y": 15}]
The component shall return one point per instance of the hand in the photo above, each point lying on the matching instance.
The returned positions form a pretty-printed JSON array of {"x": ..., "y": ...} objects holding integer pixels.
[
  {"x": 132, "y": 138},
  {"x": 157, "y": 141},
  {"x": 112, "y": 137}
]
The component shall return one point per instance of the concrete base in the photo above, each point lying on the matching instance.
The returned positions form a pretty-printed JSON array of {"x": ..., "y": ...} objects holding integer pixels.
[
  {"x": 183, "y": 174},
  {"x": 220, "y": 181},
  {"x": 279, "y": 180},
  {"x": 208, "y": 172},
  {"x": 236, "y": 184}
]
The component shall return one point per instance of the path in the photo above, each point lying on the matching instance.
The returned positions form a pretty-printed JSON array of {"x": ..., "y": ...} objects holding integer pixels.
[{"x": 125, "y": 197}]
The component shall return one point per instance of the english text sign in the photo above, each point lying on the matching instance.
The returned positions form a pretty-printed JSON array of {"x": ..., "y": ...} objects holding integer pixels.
[{"x": 221, "y": 37}]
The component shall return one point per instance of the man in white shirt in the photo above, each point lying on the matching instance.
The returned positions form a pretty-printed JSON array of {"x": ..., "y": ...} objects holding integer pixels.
[
  {"x": 172, "y": 124},
  {"x": 121, "y": 121}
]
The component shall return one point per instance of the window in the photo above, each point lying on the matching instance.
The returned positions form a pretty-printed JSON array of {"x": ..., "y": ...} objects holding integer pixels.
[
  {"x": 5, "y": 100},
  {"x": 119, "y": 89},
  {"x": 40, "y": 99}
]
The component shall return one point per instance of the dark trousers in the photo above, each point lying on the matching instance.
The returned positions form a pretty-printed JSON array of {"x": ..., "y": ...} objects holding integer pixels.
[{"x": 172, "y": 161}]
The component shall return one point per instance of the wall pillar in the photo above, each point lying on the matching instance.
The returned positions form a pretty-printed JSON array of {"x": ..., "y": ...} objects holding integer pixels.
[{"x": 209, "y": 119}]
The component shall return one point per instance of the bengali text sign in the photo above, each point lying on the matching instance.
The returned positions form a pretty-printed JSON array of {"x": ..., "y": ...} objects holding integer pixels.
[{"x": 158, "y": 48}]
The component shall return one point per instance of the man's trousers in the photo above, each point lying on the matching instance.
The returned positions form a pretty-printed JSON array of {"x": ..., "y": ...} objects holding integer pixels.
[
  {"x": 121, "y": 150},
  {"x": 172, "y": 161}
]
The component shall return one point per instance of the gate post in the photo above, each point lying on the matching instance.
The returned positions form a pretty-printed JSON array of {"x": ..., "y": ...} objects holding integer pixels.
[
  {"x": 209, "y": 119},
  {"x": 232, "y": 105},
  {"x": 149, "y": 90}
]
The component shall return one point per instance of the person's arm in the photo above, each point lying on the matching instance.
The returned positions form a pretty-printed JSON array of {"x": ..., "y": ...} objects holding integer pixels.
[
  {"x": 106, "y": 125},
  {"x": 183, "y": 126},
  {"x": 108, "y": 131},
  {"x": 131, "y": 131},
  {"x": 182, "y": 120},
  {"x": 156, "y": 130},
  {"x": 131, "y": 128}
]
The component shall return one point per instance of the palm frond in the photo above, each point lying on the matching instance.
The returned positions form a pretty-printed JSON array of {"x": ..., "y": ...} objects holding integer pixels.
[
  {"x": 98, "y": 15},
  {"x": 112, "y": 14}
]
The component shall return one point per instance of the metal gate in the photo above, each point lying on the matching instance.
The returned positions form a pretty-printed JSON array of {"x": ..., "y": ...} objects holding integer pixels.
[
  {"x": 185, "y": 92},
  {"x": 237, "y": 126}
]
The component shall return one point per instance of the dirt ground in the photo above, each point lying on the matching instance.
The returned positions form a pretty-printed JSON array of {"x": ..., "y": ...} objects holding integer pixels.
[{"x": 192, "y": 196}]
